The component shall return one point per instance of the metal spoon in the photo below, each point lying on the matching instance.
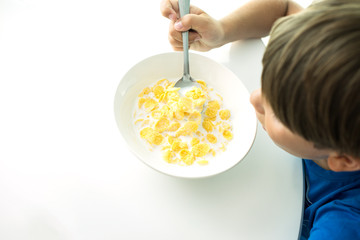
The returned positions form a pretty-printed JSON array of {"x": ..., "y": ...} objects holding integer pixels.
[{"x": 186, "y": 82}]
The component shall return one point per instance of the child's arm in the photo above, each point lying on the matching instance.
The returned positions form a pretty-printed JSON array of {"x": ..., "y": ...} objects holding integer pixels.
[
  {"x": 252, "y": 20},
  {"x": 255, "y": 19},
  {"x": 339, "y": 219}
]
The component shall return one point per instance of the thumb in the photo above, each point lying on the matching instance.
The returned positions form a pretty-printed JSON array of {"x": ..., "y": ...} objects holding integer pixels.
[{"x": 191, "y": 21}]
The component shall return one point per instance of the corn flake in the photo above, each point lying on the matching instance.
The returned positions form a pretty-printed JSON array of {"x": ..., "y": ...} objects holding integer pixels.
[
  {"x": 211, "y": 113},
  {"x": 151, "y": 136},
  {"x": 195, "y": 116},
  {"x": 194, "y": 141},
  {"x": 168, "y": 156},
  {"x": 185, "y": 104},
  {"x": 145, "y": 91},
  {"x": 224, "y": 114},
  {"x": 176, "y": 146},
  {"x": 208, "y": 125},
  {"x": 174, "y": 126},
  {"x": 200, "y": 149},
  {"x": 188, "y": 128},
  {"x": 211, "y": 138},
  {"x": 157, "y": 114},
  {"x": 227, "y": 134},
  {"x": 203, "y": 162},
  {"x": 187, "y": 157},
  {"x": 214, "y": 105},
  {"x": 150, "y": 104},
  {"x": 141, "y": 102},
  {"x": 195, "y": 93},
  {"x": 158, "y": 91},
  {"x": 162, "y": 124}
]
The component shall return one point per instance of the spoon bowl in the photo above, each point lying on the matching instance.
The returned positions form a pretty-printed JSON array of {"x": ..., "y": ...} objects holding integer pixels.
[{"x": 185, "y": 84}]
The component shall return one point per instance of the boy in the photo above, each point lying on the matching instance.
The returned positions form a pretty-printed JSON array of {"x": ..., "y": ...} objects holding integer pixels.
[{"x": 309, "y": 102}]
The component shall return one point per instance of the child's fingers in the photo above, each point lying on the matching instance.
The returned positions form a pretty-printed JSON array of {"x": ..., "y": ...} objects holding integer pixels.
[
  {"x": 196, "y": 22},
  {"x": 175, "y": 38},
  {"x": 176, "y": 44},
  {"x": 194, "y": 36},
  {"x": 169, "y": 9},
  {"x": 177, "y": 35}
]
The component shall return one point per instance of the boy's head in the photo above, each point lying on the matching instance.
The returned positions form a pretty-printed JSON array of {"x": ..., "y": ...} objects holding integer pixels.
[{"x": 311, "y": 78}]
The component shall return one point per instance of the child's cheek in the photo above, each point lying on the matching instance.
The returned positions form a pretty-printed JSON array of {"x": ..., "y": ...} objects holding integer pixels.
[{"x": 276, "y": 131}]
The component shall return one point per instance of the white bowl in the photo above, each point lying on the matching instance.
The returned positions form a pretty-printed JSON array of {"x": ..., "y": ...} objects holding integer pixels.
[{"x": 170, "y": 66}]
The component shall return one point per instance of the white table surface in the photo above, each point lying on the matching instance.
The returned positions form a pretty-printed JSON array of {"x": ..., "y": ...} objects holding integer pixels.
[{"x": 65, "y": 171}]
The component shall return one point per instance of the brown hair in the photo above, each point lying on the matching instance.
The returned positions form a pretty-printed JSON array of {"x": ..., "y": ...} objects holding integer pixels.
[{"x": 311, "y": 74}]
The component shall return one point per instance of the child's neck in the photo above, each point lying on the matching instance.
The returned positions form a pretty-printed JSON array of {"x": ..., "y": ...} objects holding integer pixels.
[{"x": 322, "y": 163}]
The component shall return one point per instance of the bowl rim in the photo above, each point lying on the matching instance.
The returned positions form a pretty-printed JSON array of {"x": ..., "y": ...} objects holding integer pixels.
[{"x": 172, "y": 174}]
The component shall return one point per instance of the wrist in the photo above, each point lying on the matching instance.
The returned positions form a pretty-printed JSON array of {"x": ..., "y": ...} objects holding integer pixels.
[
  {"x": 227, "y": 31},
  {"x": 221, "y": 35}
]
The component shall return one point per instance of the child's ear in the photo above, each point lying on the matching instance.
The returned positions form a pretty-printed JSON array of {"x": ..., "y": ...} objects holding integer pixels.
[{"x": 343, "y": 163}]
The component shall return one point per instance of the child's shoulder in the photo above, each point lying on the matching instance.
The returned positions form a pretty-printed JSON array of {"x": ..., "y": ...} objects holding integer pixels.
[
  {"x": 333, "y": 200},
  {"x": 338, "y": 219}
]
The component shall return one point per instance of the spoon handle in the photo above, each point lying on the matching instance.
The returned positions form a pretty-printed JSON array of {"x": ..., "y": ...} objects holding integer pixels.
[{"x": 184, "y": 7}]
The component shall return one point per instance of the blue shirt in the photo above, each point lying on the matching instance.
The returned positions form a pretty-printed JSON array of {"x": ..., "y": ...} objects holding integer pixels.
[{"x": 332, "y": 204}]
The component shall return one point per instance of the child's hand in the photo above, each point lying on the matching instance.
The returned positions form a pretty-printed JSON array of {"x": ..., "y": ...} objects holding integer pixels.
[{"x": 205, "y": 32}]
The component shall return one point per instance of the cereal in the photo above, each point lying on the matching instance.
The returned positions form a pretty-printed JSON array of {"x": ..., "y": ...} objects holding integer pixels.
[
  {"x": 211, "y": 138},
  {"x": 187, "y": 129},
  {"x": 178, "y": 125},
  {"x": 176, "y": 146},
  {"x": 156, "y": 114},
  {"x": 195, "y": 116},
  {"x": 168, "y": 156},
  {"x": 187, "y": 157},
  {"x": 141, "y": 102},
  {"x": 203, "y": 162},
  {"x": 151, "y": 136},
  {"x": 150, "y": 104},
  {"x": 213, "y": 105},
  {"x": 194, "y": 141},
  {"x": 224, "y": 114},
  {"x": 208, "y": 125},
  {"x": 145, "y": 91},
  {"x": 158, "y": 91},
  {"x": 174, "y": 126},
  {"x": 200, "y": 149},
  {"x": 227, "y": 134},
  {"x": 162, "y": 124}
]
